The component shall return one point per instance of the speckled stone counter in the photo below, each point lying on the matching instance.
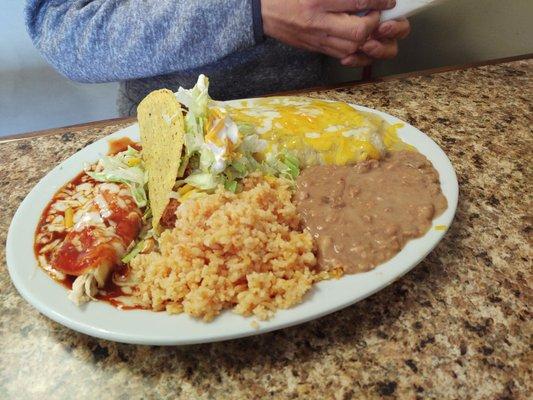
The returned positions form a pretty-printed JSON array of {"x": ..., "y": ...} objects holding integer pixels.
[{"x": 457, "y": 326}]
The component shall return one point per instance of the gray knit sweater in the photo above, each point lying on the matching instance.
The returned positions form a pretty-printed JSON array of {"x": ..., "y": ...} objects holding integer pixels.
[{"x": 152, "y": 44}]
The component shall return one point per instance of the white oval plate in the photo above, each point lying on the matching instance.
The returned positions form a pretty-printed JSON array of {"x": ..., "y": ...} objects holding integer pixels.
[{"x": 101, "y": 320}]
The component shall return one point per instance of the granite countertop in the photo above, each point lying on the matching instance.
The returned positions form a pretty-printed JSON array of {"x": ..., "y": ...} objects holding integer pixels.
[{"x": 457, "y": 326}]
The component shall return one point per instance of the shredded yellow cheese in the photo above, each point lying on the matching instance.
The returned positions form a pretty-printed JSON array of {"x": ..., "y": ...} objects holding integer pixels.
[
  {"x": 133, "y": 162},
  {"x": 185, "y": 189},
  {"x": 69, "y": 218}
]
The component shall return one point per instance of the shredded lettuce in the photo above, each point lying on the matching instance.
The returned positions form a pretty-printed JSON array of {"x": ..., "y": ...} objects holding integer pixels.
[
  {"x": 203, "y": 180},
  {"x": 246, "y": 128},
  {"x": 292, "y": 163},
  {"x": 239, "y": 166},
  {"x": 147, "y": 214},
  {"x": 211, "y": 163},
  {"x": 231, "y": 186},
  {"x": 283, "y": 164},
  {"x": 207, "y": 158},
  {"x": 196, "y": 100},
  {"x": 120, "y": 168},
  {"x": 139, "y": 246},
  {"x": 133, "y": 252},
  {"x": 251, "y": 143},
  {"x": 183, "y": 165}
]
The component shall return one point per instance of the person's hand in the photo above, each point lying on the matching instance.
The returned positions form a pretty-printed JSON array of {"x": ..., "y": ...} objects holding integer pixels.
[
  {"x": 324, "y": 26},
  {"x": 383, "y": 44}
]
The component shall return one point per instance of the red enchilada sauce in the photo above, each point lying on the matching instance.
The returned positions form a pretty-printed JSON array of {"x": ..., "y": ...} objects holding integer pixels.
[
  {"x": 122, "y": 144},
  {"x": 44, "y": 236},
  {"x": 70, "y": 256},
  {"x": 60, "y": 249}
]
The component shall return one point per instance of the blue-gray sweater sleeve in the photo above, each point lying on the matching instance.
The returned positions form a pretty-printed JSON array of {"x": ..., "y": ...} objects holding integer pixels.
[{"x": 110, "y": 40}]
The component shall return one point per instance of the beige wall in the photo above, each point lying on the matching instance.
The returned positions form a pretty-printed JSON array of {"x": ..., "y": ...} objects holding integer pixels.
[{"x": 460, "y": 31}]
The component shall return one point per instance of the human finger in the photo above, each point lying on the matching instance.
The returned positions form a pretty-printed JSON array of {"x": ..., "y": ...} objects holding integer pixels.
[
  {"x": 396, "y": 29},
  {"x": 356, "y": 60},
  {"x": 380, "y": 49},
  {"x": 350, "y": 27},
  {"x": 344, "y": 47},
  {"x": 356, "y": 5}
]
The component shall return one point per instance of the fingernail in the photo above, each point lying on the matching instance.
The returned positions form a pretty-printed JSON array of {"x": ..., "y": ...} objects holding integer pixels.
[{"x": 392, "y": 3}]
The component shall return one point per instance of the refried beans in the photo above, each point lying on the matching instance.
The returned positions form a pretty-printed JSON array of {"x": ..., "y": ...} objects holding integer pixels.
[{"x": 362, "y": 215}]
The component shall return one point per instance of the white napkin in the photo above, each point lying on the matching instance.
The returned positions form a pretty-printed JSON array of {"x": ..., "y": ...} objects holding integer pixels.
[{"x": 407, "y": 8}]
